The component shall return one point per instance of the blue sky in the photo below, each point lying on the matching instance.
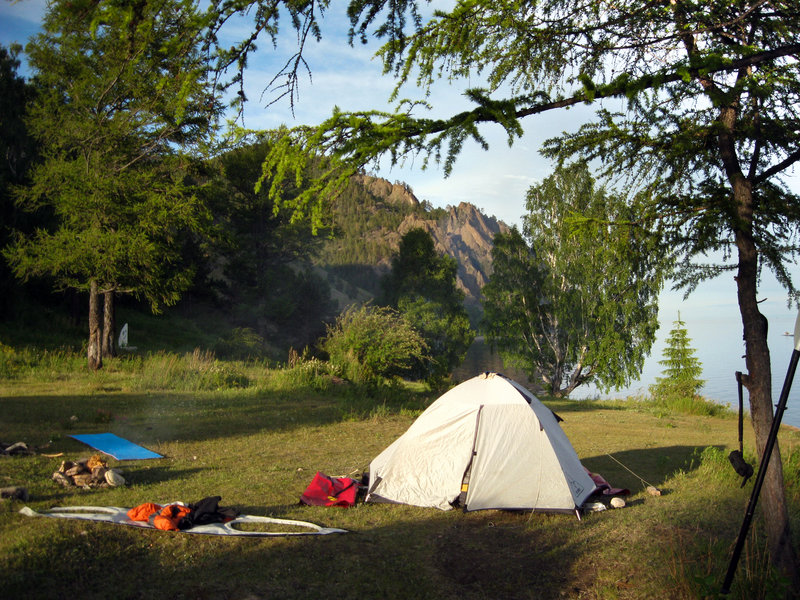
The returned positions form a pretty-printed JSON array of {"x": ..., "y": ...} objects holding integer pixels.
[{"x": 494, "y": 181}]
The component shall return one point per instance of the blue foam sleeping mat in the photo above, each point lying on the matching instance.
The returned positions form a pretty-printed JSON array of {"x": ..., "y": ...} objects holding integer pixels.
[{"x": 115, "y": 446}]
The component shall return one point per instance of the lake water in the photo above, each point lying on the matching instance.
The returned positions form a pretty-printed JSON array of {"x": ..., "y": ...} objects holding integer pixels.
[{"x": 715, "y": 331}]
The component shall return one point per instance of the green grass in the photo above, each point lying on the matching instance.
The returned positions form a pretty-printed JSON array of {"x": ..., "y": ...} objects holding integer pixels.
[{"x": 258, "y": 441}]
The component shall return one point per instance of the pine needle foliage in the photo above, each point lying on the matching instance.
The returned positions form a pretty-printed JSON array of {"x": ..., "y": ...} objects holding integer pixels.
[{"x": 123, "y": 104}]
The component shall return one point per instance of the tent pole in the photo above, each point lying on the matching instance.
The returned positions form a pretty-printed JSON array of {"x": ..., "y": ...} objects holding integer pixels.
[{"x": 771, "y": 439}]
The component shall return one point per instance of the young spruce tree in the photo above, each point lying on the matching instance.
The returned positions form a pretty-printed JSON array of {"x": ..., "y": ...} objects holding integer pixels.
[{"x": 682, "y": 369}]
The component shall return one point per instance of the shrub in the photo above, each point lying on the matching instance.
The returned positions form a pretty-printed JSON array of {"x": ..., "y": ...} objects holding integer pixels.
[
  {"x": 791, "y": 471},
  {"x": 370, "y": 344},
  {"x": 688, "y": 405},
  {"x": 302, "y": 373},
  {"x": 9, "y": 362},
  {"x": 199, "y": 370},
  {"x": 446, "y": 331},
  {"x": 240, "y": 344}
]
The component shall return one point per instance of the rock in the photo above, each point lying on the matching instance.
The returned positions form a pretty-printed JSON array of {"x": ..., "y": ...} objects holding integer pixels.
[
  {"x": 62, "y": 479},
  {"x": 392, "y": 192},
  {"x": 467, "y": 235},
  {"x": 653, "y": 491},
  {"x": 14, "y": 493},
  {"x": 99, "y": 474},
  {"x": 617, "y": 502},
  {"x": 463, "y": 232},
  {"x": 82, "y": 479},
  {"x": 77, "y": 469},
  {"x": 78, "y": 474},
  {"x": 114, "y": 478}
]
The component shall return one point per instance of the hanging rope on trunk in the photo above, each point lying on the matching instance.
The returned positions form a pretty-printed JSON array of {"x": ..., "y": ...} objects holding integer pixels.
[{"x": 740, "y": 465}]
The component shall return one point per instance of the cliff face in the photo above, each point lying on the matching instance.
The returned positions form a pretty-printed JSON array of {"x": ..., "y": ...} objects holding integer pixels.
[
  {"x": 466, "y": 235},
  {"x": 462, "y": 232},
  {"x": 396, "y": 193}
]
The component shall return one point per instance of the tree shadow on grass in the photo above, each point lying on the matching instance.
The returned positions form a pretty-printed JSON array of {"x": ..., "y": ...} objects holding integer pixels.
[
  {"x": 392, "y": 552},
  {"x": 435, "y": 557},
  {"x": 148, "y": 417},
  {"x": 145, "y": 475},
  {"x": 637, "y": 469}
]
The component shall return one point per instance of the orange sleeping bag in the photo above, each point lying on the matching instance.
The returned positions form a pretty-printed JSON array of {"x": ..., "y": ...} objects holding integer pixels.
[{"x": 166, "y": 517}]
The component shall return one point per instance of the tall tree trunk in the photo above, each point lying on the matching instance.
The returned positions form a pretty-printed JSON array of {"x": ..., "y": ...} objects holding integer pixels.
[
  {"x": 758, "y": 379},
  {"x": 109, "y": 348},
  {"x": 94, "y": 350},
  {"x": 759, "y": 385}
]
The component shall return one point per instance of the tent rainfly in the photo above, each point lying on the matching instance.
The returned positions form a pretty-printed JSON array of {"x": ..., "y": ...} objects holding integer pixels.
[{"x": 486, "y": 443}]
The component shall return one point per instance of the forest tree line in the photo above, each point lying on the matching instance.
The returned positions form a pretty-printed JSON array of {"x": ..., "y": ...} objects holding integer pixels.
[{"x": 249, "y": 261}]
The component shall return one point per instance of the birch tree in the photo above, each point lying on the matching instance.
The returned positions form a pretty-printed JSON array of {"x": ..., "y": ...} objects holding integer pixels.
[{"x": 574, "y": 304}]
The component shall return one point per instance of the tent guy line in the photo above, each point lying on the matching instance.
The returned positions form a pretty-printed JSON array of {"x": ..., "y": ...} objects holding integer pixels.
[{"x": 646, "y": 483}]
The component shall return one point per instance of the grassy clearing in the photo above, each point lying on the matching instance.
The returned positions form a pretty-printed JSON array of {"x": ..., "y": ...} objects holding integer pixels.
[{"x": 255, "y": 436}]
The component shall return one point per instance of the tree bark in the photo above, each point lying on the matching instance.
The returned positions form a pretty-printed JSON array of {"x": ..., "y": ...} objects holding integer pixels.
[
  {"x": 758, "y": 382},
  {"x": 94, "y": 349},
  {"x": 109, "y": 348}
]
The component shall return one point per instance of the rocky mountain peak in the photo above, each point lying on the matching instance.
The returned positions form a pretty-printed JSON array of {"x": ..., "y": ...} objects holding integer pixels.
[
  {"x": 395, "y": 193},
  {"x": 466, "y": 234},
  {"x": 373, "y": 225}
]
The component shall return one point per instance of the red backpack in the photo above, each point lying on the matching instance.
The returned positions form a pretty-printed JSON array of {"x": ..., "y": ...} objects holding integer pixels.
[{"x": 330, "y": 491}]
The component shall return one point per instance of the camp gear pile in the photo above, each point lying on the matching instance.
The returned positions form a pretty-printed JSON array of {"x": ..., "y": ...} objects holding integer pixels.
[
  {"x": 89, "y": 473},
  {"x": 330, "y": 491},
  {"x": 119, "y": 516},
  {"x": 178, "y": 516}
]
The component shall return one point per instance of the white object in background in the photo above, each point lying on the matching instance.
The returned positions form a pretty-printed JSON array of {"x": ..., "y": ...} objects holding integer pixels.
[
  {"x": 123, "y": 339},
  {"x": 797, "y": 332}
]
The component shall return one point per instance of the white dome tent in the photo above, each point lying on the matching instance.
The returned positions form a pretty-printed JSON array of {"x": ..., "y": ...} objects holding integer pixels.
[{"x": 487, "y": 443}]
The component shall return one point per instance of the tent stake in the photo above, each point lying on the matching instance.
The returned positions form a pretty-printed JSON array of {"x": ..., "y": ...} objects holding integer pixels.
[{"x": 762, "y": 469}]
